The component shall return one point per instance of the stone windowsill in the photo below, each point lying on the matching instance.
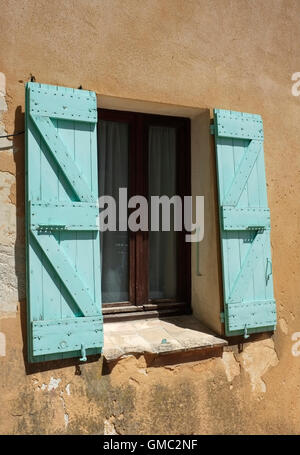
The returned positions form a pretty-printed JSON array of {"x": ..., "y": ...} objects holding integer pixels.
[{"x": 171, "y": 335}]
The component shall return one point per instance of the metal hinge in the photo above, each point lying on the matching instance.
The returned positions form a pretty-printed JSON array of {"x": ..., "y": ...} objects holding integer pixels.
[
  {"x": 51, "y": 227},
  {"x": 222, "y": 317},
  {"x": 212, "y": 129}
]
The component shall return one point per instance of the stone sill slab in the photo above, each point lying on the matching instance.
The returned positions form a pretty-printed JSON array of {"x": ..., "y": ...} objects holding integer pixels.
[{"x": 174, "y": 334}]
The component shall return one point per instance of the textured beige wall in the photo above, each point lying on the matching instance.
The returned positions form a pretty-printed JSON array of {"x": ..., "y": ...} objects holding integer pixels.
[
  {"x": 230, "y": 54},
  {"x": 206, "y": 261}
]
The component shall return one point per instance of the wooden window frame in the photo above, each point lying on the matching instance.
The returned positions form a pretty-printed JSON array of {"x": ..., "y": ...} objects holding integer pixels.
[{"x": 139, "y": 305}]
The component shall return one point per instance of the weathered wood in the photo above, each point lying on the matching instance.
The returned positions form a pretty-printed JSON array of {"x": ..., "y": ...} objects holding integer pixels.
[
  {"x": 63, "y": 252},
  {"x": 249, "y": 304}
]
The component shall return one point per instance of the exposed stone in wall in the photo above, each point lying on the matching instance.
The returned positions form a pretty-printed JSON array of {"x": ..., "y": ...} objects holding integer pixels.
[
  {"x": 12, "y": 270},
  {"x": 283, "y": 326},
  {"x": 109, "y": 427},
  {"x": 256, "y": 359},
  {"x": 8, "y": 210},
  {"x": 2, "y": 345},
  {"x": 232, "y": 367},
  {"x": 217, "y": 395},
  {"x": 8, "y": 282},
  {"x": 4, "y": 142}
]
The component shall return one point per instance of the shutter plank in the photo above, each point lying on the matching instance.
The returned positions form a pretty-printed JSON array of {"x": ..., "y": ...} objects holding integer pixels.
[
  {"x": 51, "y": 282},
  {"x": 69, "y": 240}
]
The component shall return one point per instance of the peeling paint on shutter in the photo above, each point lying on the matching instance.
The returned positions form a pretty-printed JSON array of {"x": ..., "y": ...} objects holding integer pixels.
[{"x": 63, "y": 251}]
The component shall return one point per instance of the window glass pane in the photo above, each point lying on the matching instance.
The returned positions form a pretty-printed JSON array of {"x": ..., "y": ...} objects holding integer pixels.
[
  {"x": 162, "y": 181},
  {"x": 113, "y": 174}
]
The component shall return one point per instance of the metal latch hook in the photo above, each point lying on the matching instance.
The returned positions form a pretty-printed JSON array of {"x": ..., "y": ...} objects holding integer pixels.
[
  {"x": 83, "y": 354},
  {"x": 269, "y": 270},
  {"x": 246, "y": 335}
]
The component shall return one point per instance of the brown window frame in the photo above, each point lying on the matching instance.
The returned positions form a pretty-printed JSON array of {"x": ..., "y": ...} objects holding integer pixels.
[{"x": 139, "y": 305}]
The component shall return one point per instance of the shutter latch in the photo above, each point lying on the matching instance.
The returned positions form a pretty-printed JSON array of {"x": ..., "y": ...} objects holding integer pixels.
[
  {"x": 268, "y": 270},
  {"x": 212, "y": 129},
  {"x": 246, "y": 335},
  {"x": 222, "y": 317},
  {"x": 83, "y": 354}
]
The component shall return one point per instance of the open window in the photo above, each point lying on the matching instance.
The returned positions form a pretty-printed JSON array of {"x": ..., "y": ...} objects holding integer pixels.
[{"x": 144, "y": 273}]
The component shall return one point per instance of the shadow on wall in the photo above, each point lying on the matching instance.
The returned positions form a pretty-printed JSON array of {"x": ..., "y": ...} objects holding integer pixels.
[
  {"x": 20, "y": 256},
  {"x": 19, "y": 154}
]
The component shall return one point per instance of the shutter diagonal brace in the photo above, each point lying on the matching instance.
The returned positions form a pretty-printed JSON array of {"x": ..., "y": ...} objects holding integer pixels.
[
  {"x": 248, "y": 263},
  {"x": 60, "y": 153},
  {"x": 244, "y": 169},
  {"x": 67, "y": 274}
]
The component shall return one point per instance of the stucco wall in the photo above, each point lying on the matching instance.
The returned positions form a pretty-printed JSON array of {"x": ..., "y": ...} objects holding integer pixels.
[{"x": 237, "y": 55}]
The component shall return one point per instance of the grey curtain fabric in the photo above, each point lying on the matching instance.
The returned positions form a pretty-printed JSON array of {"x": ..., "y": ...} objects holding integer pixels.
[
  {"x": 162, "y": 181},
  {"x": 113, "y": 174}
]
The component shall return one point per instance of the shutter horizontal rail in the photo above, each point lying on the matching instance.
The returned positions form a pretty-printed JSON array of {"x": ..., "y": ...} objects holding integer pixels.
[
  {"x": 238, "y": 125},
  {"x": 65, "y": 335},
  {"x": 77, "y": 216},
  {"x": 67, "y": 105},
  {"x": 245, "y": 218},
  {"x": 257, "y": 313}
]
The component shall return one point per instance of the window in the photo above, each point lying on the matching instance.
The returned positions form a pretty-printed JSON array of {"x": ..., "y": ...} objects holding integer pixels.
[
  {"x": 149, "y": 155},
  {"x": 144, "y": 273}
]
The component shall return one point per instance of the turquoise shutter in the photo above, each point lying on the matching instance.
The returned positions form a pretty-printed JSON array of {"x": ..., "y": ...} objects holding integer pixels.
[
  {"x": 63, "y": 251},
  {"x": 249, "y": 304}
]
